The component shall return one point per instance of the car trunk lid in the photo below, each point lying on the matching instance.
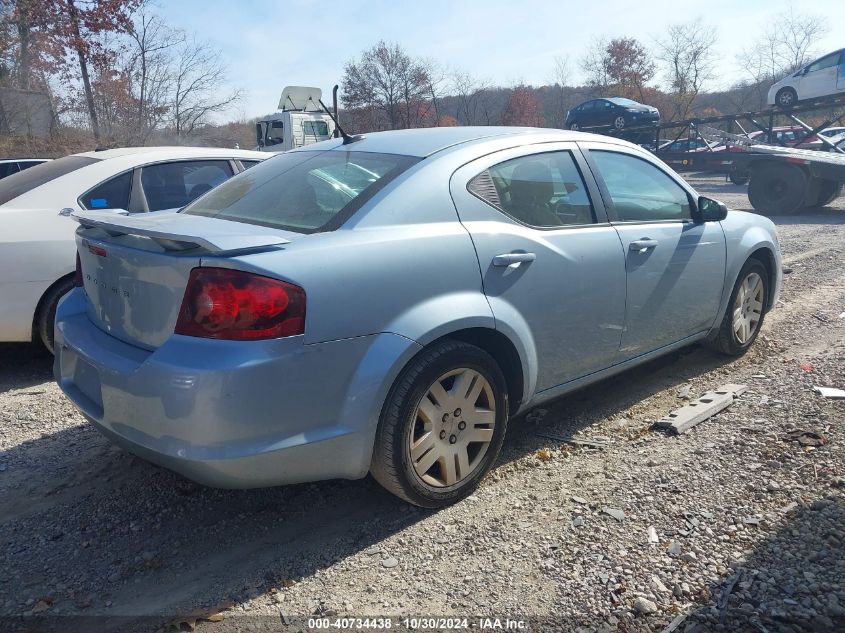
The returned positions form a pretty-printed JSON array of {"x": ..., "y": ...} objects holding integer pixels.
[{"x": 135, "y": 268}]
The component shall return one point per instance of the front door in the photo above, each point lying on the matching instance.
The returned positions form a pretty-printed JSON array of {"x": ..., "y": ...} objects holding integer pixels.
[
  {"x": 675, "y": 266},
  {"x": 820, "y": 78},
  {"x": 551, "y": 265}
]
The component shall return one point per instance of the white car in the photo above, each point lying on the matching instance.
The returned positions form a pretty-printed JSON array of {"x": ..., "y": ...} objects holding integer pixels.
[
  {"x": 37, "y": 248},
  {"x": 821, "y": 78}
]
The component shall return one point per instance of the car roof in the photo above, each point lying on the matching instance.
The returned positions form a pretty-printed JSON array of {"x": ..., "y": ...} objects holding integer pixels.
[
  {"x": 422, "y": 142},
  {"x": 171, "y": 152}
]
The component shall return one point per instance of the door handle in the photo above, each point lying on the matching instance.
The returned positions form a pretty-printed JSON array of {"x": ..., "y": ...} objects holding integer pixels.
[
  {"x": 642, "y": 245},
  {"x": 506, "y": 259}
]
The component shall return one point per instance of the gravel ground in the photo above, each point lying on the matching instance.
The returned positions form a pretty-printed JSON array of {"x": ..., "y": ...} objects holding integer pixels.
[{"x": 736, "y": 526}]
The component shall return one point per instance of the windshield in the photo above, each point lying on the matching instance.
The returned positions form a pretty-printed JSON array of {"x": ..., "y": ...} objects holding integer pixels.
[
  {"x": 302, "y": 191},
  {"x": 27, "y": 180},
  {"x": 624, "y": 102}
]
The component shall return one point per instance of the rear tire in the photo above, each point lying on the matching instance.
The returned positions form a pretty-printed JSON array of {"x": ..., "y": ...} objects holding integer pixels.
[
  {"x": 424, "y": 449},
  {"x": 731, "y": 338},
  {"x": 46, "y": 318},
  {"x": 619, "y": 123},
  {"x": 574, "y": 127},
  {"x": 829, "y": 190},
  {"x": 777, "y": 188}
]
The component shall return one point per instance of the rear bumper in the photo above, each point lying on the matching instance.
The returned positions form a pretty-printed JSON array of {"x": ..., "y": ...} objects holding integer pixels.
[{"x": 232, "y": 414}]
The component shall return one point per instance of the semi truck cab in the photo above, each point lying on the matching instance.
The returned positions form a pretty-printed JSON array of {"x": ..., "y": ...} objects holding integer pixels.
[{"x": 300, "y": 121}]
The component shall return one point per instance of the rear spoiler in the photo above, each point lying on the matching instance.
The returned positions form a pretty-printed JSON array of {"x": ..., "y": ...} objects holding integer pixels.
[{"x": 180, "y": 232}]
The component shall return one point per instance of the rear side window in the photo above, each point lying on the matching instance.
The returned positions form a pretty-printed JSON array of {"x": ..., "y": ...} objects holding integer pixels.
[
  {"x": 7, "y": 169},
  {"x": 173, "y": 185},
  {"x": 25, "y": 181},
  {"x": 302, "y": 191},
  {"x": 640, "y": 191},
  {"x": 246, "y": 164},
  {"x": 112, "y": 194},
  {"x": 541, "y": 190}
]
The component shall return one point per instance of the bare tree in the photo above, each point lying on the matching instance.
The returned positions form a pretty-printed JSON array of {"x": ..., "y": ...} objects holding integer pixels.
[
  {"x": 198, "y": 74},
  {"x": 686, "y": 52},
  {"x": 787, "y": 43},
  {"x": 469, "y": 92},
  {"x": 148, "y": 65},
  {"x": 388, "y": 81},
  {"x": 594, "y": 65},
  {"x": 560, "y": 85}
]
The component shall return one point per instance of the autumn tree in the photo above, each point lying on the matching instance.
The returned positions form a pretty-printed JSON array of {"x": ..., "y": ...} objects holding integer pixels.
[
  {"x": 388, "y": 81},
  {"x": 687, "y": 56},
  {"x": 560, "y": 90},
  {"x": 522, "y": 108},
  {"x": 621, "y": 65}
]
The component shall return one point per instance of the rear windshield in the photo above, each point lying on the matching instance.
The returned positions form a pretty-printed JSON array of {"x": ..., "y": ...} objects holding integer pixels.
[
  {"x": 304, "y": 192},
  {"x": 27, "y": 180}
]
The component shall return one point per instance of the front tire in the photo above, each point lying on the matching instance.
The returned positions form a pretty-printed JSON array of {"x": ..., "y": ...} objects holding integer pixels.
[
  {"x": 442, "y": 426},
  {"x": 745, "y": 313},
  {"x": 786, "y": 97},
  {"x": 46, "y": 317},
  {"x": 575, "y": 127}
]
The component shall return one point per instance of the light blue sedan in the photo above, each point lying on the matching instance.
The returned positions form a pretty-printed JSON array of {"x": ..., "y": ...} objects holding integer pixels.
[{"x": 385, "y": 305}]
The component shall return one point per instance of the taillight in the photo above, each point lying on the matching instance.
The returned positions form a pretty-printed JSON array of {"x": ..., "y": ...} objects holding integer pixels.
[
  {"x": 77, "y": 276},
  {"x": 231, "y": 304}
]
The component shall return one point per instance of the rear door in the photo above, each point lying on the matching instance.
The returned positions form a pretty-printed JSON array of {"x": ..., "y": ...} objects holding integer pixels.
[
  {"x": 675, "y": 266},
  {"x": 551, "y": 265}
]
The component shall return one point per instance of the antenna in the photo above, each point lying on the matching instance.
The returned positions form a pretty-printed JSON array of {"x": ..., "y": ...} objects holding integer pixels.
[{"x": 347, "y": 139}]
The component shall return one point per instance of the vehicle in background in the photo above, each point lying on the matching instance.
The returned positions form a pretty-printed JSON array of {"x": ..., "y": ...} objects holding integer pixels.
[
  {"x": 301, "y": 121},
  {"x": 616, "y": 113},
  {"x": 690, "y": 145},
  {"x": 209, "y": 341},
  {"x": 833, "y": 131},
  {"x": 821, "y": 78},
  {"x": 36, "y": 233},
  {"x": 9, "y": 166}
]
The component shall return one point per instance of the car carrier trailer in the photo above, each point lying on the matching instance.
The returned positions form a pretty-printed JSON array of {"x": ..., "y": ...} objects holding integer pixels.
[
  {"x": 784, "y": 180},
  {"x": 780, "y": 179}
]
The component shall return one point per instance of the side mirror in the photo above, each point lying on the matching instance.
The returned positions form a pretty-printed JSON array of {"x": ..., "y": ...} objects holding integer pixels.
[{"x": 710, "y": 210}]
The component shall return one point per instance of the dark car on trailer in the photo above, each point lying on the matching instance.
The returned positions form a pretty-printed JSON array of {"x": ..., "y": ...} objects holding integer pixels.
[{"x": 615, "y": 113}]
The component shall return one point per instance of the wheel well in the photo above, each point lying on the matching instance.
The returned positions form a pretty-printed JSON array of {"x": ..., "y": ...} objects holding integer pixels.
[
  {"x": 767, "y": 258},
  {"x": 40, "y": 305},
  {"x": 503, "y": 352}
]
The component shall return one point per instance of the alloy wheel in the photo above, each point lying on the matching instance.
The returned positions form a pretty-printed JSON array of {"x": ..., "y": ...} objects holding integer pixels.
[
  {"x": 748, "y": 308},
  {"x": 452, "y": 428},
  {"x": 619, "y": 122}
]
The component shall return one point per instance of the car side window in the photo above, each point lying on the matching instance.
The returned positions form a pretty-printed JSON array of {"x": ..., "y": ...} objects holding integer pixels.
[
  {"x": 541, "y": 190},
  {"x": 111, "y": 194},
  {"x": 246, "y": 164},
  {"x": 173, "y": 185},
  {"x": 824, "y": 62},
  {"x": 640, "y": 191}
]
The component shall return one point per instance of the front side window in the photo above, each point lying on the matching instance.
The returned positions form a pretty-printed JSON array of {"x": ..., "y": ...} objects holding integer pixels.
[
  {"x": 541, "y": 190},
  {"x": 7, "y": 169},
  {"x": 640, "y": 191},
  {"x": 111, "y": 194},
  {"x": 302, "y": 191},
  {"x": 173, "y": 185}
]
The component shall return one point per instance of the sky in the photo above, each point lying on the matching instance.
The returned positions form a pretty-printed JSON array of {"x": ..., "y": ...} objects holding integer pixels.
[{"x": 268, "y": 44}]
